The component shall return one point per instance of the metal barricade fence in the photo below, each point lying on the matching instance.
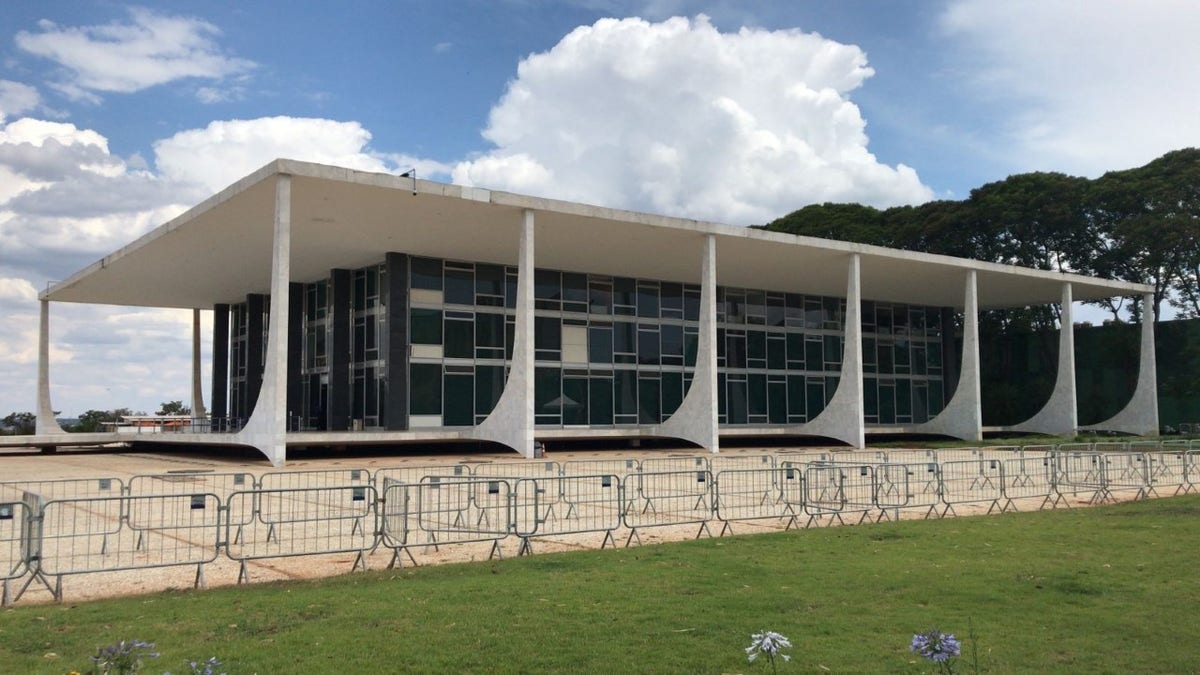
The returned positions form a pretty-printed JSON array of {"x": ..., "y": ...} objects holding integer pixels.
[
  {"x": 907, "y": 486},
  {"x": 757, "y": 494},
  {"x": 976, "y": 481},
  {"x": 70, "y": 488},
  {"x": 106, "y": 534},
  {"x": 1125, "y": 471},
  {"x": 1062, "y": 448},
  {"x": 1168, "y": 469},
  {"x": 834, "y": 489},
  {"x": 514, "y": 470},
  {"x": 958, "y": 454},
  {"x": 1191, "y": 471},
  {"x": 1078, "y": 471},
  {"x": 14, "y": 544},
  {"x": 302, "y": 480},
  {"x": 411, "y": 475},
  {"x": 1143, "y": 446},
  {"x": 674, "y": 463},
  {"x": 1110, "y": 446},
  {"x": 719, "y": 463},
  {"x": 909, "y": 456},
  {"x": 463, "y": 510},
  {"x": 1027, "y": 478},
  {"x": 393, "y": 516},
  {"x": 220, "y": 484},
  {"x": 585, "y": 504},
  {"x": 667, "y": 498},
  {"x": 303, "y": 521}
]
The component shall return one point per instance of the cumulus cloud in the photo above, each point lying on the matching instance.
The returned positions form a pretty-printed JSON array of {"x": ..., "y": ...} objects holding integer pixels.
[
  {"x": 1085, "y": 83},
  {"x": 225, "y": 151},
  {"x": 150, "y": 49},
  {"x": 17, "y": 98},
  {"x": 677, "y": 117}
]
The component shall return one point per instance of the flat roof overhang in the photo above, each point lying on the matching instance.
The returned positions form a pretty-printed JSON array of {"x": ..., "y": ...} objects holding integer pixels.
[{"x": 220, "y": 250}]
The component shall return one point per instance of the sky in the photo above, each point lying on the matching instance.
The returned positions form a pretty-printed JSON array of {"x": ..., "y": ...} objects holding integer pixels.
[{"x": 115, "y": 118}]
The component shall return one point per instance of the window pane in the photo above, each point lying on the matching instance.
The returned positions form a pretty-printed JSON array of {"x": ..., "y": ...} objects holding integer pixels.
[
  {"x": 625, "y": 392},
  {"x": 672, "y": 393},
  {"x": 757, "y": 390},
  {"x": 600, "y": 344},
  {"x": 600, "y": 401},
  {"x": 575, "y": 400},
  {"x": 647, "y": 299},
  {"x": 736, "y": 405},
  {"x": 489, "y": 279},
  {"x": 460, "y": 401},
  {"x": 460, "y": 286},
  {"x": 649, "y": 405},
  {"x": 460, "y": 339},
  {"x": 777, "y": 402},
  {"x": 547, "y": 333},
  {"x": 489, "y": 383},
  {"x": 547, "y": 394},
  {"x": 427, "y": 274},
  {"x": 425, "y": 389},
  {"x": 547, "y": 285},
  {"x": 489, "y": 330},
  {"x": 648, "y": 351}
]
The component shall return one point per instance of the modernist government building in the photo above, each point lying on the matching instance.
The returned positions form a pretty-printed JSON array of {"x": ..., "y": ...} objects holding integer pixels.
[{"x": 361, "y": 308}]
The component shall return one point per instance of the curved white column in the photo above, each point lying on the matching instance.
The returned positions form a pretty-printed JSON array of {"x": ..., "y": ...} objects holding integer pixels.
[
  {"x": 963, "y": 415},
  {"x": 267, "y": 427},
  {"x": 842, "y": 419},
  {"x": 511, "y": 421},
  {"x": 1140, "y": 415},
  {"x": 696, "y": 418},
  {"x": 198, "y": 411},
  {"x": 46, "y": 423},
  {"x": 1059, "y": 417}
]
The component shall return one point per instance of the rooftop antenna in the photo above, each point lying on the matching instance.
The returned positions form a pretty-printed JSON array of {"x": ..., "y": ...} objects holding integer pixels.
[{"x": 411, "y": 173}]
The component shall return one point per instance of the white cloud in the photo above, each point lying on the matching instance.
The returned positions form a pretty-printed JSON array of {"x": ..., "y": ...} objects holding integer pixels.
[
  {"x": 17, "y": 98},
  {"x": 676, "y": 117},
  {"x": 1101, "y": 86},
  {"x": 225, "y": 151},
  {"x": 149, "y": 50}
]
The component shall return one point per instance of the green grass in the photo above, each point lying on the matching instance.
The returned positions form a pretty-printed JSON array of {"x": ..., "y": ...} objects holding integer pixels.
[{"x": 1110, "y": 589}]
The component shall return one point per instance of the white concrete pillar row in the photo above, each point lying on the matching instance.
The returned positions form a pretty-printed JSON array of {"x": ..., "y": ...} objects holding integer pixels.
[
  {"x": 1059, "y": 417},
  {"x": 842, "y": 419},
  {"x": 45, "y": 423},
  {"x": 1140, "y": 415},
  {"x": 198, "y": 411},
  {"x": 512, "y": 420},
  {"x": 267, "y": 427},
  {"x": 696, "y": 418},
  {"x": 962, "y": 417}
]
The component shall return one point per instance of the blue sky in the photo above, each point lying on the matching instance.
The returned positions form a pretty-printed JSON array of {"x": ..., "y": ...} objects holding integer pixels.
[{"x": 116, "y": 117}]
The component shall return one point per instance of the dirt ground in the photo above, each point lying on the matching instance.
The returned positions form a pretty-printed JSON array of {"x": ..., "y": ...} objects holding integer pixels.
[{"x": 123, "y": 464}]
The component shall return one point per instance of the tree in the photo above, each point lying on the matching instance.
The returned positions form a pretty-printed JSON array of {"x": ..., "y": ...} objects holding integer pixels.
[
  {"x": 92, "y": 421},
  {"x": 173, "y": 408},
  {"x": 19, "y": 424}
]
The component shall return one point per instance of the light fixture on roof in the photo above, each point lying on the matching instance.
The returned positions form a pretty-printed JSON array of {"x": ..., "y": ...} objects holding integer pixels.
[{"x": 411, "y": 173}]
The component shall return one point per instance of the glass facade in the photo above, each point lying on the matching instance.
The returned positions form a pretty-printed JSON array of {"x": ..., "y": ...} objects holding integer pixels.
[{"x": 609, "y": 351}]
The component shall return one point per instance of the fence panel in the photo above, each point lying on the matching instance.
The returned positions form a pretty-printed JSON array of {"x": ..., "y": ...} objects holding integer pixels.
[
  {"x": 411, "y": 475},
  {"x": 598, "y": 467},
  {"x": 719, "y": 463},
  {"x": 104, "y": 534},
  {"x": 757, "y": 494},
  {"x": 514, "y": 470},
  {"x": 567, "y": 505},
  {"x": 1125, "y": 472},
  {"x": 909, "y": 456},
  {"x": 675, "y": 463},
  {"x": 15, "y": 516},
  {"x": 1111, "y": 446},
  {"x": 667, "y": 498},
  {"x": 70, "y": 488},
  {"x": 305, "y": 480},
  {"x": 976, "y": 481},
  {"x": 302, "y": 521},
  {"x": 463, "y": 510},
  {"x": 958, "y": 454},
  {"x": 1077, "y": 472},
  {"x": 220, "y": 484},
  {"x": 910, "y": 485},
  {"x": 835, "y": 490},
  {"x": 1027, "y": 478}
]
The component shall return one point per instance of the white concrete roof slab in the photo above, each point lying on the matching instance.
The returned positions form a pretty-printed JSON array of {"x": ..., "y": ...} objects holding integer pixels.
[{"x": 220, "y": 250}]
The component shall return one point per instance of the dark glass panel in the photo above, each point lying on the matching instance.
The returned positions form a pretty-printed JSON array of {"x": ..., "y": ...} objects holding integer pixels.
[
  {"x": 649, "y": 402},
  {"x": 460, "y": 339},
  {"x": 425, "y": 389},
  {"x": 672, "y": 393},
  {"x": 489, "y": 383},
  {"x": 575, "y": 400},
  {"x": 625, "y": 392},
  {"x": 460, "y": 286},
  {"x": 489, "y": 330},
  {"x": 460, "y": 401},
  {"x": 427, "y": 274},
  {"x": 600, "y": 401},
  {"x": 425, "y": 326}
]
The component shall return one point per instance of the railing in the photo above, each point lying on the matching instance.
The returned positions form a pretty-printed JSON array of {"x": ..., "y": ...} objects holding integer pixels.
[{"x": 58, "y": 528}]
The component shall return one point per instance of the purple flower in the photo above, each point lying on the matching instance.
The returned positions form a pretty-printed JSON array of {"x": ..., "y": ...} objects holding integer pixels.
[{"x": 935, "y": 645}]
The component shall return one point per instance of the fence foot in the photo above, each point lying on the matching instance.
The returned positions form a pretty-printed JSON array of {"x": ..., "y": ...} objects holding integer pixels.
[
  {"x": 791, "y": 521},
  {"x": 632, "y": 534},
  {"x": 199, "y": 581},
  {"x": 243, "y": 573},
  {"x": 704, "y": 529},
  {"x": 141, "y": 541},
  {"x": 5, "y": 600},
  {"x": 360, "y": 562},
  {"x": 270, "y": 531},
  {"x": 497, "y": 552},
  {"x": 526, "y": 547},
  {"x": 397, "y": 562},
  {"x": 40, "y": 577},
  {"x": 725, "y": 527},
  {"x": 607, "y": 539}
]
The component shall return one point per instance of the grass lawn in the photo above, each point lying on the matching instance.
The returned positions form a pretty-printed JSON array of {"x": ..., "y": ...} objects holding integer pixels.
[{"x": 1109, "y": 589}]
